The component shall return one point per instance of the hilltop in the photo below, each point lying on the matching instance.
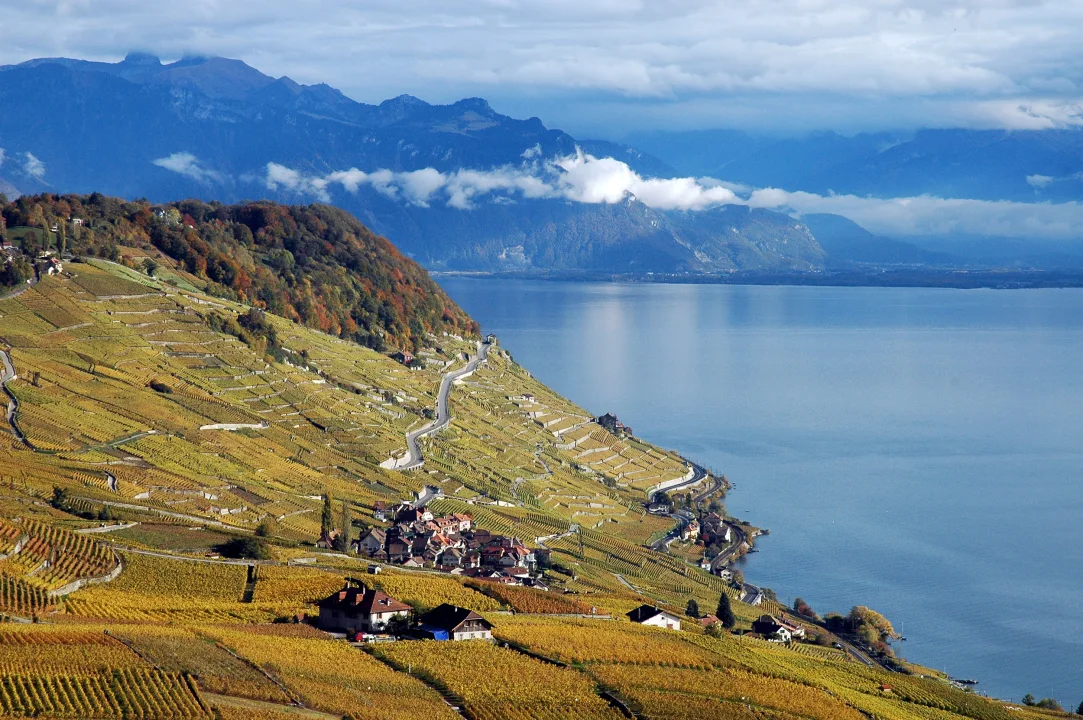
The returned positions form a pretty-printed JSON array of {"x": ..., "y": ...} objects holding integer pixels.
[
  {"x": 146, "y": 404},
  {"x": 314, "y": 264}
]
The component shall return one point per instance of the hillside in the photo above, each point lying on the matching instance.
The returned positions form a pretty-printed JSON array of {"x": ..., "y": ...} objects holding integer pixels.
[
  {"x": 454, "y": 186},
  {"x": 314, "y": 264},
  {"x": 134, "y": 403}
]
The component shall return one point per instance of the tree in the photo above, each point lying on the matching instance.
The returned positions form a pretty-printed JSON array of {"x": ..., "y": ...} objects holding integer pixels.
[
  {"x": 692, "y": 610},
  {"x": 327, "y": 522},
  {"x": 266, "y": 528},
  {"x": 60, "y": 498},
  {"x": 804, "y": 609},
  {"x": 150, "y": 266},
  {"x": 725, "y": 612},
  {"x": 714, "y": 630},
  {"x": 342, "y": 542},
  {"x": 1049, "y": 704},
  {"x": 1079, "y": 710},
  {"x": 249, "y": 548},
  {"x": 398, "y": 625},
  {"x": 1028, "y": 700}
]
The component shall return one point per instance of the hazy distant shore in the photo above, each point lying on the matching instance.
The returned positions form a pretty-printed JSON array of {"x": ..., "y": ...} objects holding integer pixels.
[{"x": 960, "y": 279}]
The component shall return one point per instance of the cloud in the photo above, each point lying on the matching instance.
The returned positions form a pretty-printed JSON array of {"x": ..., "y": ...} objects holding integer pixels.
[
  {"x": 1, "y": 157},
  {"x": 702, "y": 62},
  {"x": 926, "y": 215},
  {"x": 188, "y": 165},
  {"x": 587, "y": 179},
  {"x": 579, "y": 178},
  {"x": 33, "y": 167}
]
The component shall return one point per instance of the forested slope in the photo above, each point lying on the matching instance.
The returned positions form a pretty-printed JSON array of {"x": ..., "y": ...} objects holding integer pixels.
[{"x": 314, "y": 264}]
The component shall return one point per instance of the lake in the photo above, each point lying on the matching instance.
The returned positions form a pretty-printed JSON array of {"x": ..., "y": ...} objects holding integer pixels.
[{"x": 919, "y": 451}]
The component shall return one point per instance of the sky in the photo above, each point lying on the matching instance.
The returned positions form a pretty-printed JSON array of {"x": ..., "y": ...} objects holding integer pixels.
[{"x": 613, "y": 67}]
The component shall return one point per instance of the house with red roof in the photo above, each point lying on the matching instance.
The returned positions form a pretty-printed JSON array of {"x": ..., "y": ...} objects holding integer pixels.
[{"x": 354, "y": 610}]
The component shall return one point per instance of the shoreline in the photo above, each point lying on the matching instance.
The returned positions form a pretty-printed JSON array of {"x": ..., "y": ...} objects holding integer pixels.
[{"x": 990, "y": 279}]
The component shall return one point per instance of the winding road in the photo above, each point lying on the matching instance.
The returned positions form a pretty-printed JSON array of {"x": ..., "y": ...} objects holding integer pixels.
[
  {"x": 7, "y": 374},
  {"x": 413, "y": 458}
]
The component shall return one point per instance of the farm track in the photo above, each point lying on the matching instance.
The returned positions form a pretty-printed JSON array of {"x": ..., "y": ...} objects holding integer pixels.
[{"x": 214, "y": 699}]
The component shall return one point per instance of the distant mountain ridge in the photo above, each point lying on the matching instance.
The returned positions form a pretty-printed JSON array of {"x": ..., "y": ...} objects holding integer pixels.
[
  {"x": 1019, "y": 165},
  {"x": 208, "y": 128}
]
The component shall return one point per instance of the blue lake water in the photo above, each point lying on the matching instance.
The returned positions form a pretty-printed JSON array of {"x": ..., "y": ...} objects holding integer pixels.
[{"x": 919, "y": 451}]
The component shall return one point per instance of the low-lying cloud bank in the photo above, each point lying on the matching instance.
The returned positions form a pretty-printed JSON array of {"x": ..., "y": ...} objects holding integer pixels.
[
  {"x": 926, "y": 215},
  {"x": 587, "y": 179},
  {"x": 579, "y": 178}
]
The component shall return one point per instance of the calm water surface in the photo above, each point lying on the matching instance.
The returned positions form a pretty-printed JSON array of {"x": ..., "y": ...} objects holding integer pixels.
[{"x": 919, "y": 451}]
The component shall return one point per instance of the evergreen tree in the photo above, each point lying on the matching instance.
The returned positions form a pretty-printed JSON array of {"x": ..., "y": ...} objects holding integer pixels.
[
  {"x": 692, "y": 610},
  {"x": 327, "y": 522},
  {"x": 342, "y": 542},
  {"x": 1079, "y": 710},
  {"x": 725, "y": 612}
]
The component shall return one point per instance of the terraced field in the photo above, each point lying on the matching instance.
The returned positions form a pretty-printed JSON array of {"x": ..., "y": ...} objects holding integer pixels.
[{"x": 135, "y": 401}]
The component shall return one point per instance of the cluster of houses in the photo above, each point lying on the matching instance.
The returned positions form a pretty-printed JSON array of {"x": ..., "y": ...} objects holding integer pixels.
[
  {"x": 449, "y": 543},
  {"x": 359, "y": 612},
  {"x": 613, "y": 424}
]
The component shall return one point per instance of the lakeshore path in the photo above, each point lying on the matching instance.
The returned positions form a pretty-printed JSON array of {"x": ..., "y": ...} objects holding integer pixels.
[{"x": 413, "y": 458}]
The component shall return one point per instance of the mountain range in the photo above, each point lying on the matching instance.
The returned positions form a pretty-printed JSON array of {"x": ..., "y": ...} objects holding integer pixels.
[{"x": 463, "y": 187}]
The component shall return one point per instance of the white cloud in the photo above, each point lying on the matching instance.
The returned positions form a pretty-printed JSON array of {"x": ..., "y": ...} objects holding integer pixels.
[
  {"x": 974, "y": 60},
  {"x": 33, "y": 167},
  {"x": 579, "y": 178},
  {"x": 1, "y": 157},
  {"x": 587, "y": 179},
  {"x": 925, "y": 215},
  {"x": 188, "y": 165}
]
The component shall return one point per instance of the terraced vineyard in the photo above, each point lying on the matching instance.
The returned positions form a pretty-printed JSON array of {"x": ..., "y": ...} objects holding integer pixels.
[{"x": 140, "y": 402}]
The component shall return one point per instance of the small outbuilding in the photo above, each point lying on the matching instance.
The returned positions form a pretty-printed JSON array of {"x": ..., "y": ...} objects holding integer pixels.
[
  {"x": 656, "y": 617},
  {"x": 449, "y": 622}
]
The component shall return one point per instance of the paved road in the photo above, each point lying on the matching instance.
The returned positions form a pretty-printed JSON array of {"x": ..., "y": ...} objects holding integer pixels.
[
  {"x": 414, "y": 458},
  {"x": 7, "y": 374},
  {"x": 724, "y": 557},
  {"x": 698, "y": 474},
  {"x": 682, "y": 517}
]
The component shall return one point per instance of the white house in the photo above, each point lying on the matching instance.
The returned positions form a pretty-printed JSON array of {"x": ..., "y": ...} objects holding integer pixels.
[
  {"x": 355, "y": 610},
  {"x": 647, "y": 615}
]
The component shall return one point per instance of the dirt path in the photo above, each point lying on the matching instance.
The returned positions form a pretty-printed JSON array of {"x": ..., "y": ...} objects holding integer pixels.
[{"x": 263, "y": 706}]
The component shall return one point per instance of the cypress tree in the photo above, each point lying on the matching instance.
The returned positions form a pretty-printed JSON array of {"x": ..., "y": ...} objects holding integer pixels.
[
  {"x": 725, "y": 612},
  {"x": 327, "y": 523},
  {"x": 342, "y": 542}
]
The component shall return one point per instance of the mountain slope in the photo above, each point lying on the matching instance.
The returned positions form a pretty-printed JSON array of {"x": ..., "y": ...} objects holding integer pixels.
[
  {"x": 846, "y": 242},
  {"x": 314, "y": 264},
  {"x": 211, "y": 128}
]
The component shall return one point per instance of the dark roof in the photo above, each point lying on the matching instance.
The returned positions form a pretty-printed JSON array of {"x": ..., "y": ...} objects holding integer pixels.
[
  {"x": 362, "y": 601},
  {"x": 643, "y": 613},
  {"x": 450, "y": 618}
]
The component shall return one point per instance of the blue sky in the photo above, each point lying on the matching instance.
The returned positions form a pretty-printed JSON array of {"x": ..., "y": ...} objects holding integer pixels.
[{"x": 608, "y": 67}]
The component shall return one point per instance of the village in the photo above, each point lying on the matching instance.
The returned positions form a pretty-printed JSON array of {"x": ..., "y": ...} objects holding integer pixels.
[
  {"x": 449, "y": 543},
  {"x": 417, "y": 539}
]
